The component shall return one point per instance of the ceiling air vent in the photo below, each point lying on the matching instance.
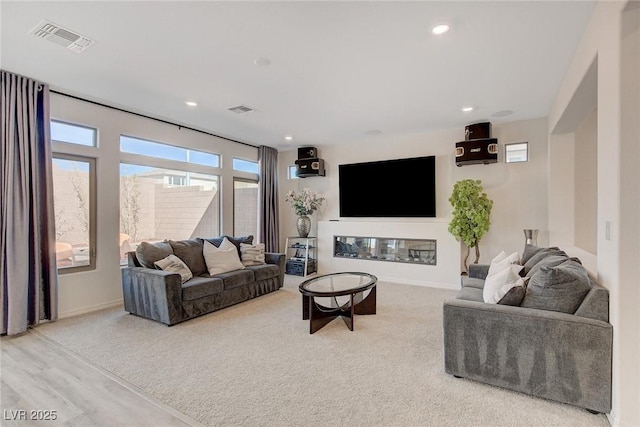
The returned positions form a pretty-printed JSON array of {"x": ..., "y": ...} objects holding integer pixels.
[
  {"x": 55, "y": 33},
  {"x": 240, "y": 109}
]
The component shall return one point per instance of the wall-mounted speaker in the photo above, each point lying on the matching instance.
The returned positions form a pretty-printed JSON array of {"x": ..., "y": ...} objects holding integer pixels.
[
  {"x": 477, "y": 151},
  {"x": 307, "y": 153},
  {"x": 309, "y": 167},
  {"x": 477, "y": 131}
]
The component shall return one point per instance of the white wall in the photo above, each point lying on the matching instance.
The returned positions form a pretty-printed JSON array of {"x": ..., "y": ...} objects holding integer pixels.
[
  {"x": 519, "y": 190},
  {"x": 586, "y": 184},
  {"x": 615, "y": 43},
  {"x": 99, "y": 288}
]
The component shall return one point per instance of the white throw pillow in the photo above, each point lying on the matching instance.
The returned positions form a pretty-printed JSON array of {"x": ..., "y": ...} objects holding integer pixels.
[
  {"x": 252, "y": 254},
  {"x": 498, "y": 279},
  {"x": 176, "y": 265},
  {"x": 501, "y": 261},
  {"x": 222, "y": 259}
]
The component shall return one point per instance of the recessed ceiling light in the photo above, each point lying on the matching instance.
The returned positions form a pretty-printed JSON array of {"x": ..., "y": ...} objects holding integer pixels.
[
  {"x": 440, "y": 29},
  {"x": 288, "y": 137},
  {"x": 191, "y": 103},
  {"x": 263, "y": 62},
  {"x": 467, "y": 109}
]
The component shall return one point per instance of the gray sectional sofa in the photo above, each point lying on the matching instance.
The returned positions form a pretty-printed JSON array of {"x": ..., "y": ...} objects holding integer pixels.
[
  {"x": 556, "y": 344},
  {"x": 160, "y": 295}
]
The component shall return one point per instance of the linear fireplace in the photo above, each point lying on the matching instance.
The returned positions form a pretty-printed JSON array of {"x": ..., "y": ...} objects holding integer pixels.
[{"x": 413, "y": 251}]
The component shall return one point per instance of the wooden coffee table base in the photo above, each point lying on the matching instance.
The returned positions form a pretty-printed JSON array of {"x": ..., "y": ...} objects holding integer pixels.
[{"x": 319, "y": 315}]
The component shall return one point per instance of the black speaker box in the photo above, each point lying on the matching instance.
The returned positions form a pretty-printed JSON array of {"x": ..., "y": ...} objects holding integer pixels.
[
  {"x": 477, "y": 151},
  {"x": 307, "y": 153},
  {"x": 309, "y": 167},
  {"x": 477, "y": 131}
]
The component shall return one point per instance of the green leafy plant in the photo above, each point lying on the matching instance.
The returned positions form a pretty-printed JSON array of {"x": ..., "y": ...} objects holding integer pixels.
[{"x": 471, "y": 214}]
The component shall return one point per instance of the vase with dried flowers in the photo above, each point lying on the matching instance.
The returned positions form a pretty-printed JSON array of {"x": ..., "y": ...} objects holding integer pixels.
[{"x": 304, "y": 204}]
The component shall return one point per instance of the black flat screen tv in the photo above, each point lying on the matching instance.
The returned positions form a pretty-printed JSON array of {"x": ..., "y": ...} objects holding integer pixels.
[{"x": 389, "y": 188}]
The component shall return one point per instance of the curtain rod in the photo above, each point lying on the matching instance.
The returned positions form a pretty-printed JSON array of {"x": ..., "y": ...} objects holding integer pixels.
[{"x": 149, "y": 117}]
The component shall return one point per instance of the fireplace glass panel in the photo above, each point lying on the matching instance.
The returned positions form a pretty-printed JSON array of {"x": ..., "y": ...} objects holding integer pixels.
[{"x": 414, "y": 251}]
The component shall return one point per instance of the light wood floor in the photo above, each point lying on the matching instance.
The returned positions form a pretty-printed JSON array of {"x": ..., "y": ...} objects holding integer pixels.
[{"x": 37, "y": 374}]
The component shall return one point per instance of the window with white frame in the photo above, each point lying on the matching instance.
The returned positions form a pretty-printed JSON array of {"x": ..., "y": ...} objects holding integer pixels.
[
  {"x": 74, "y": 195},
  {"x": 145, "y": 147},
  {"x": 516, "y": 152},
  {"x": 242, "y": 165},
  {"x": 74, "y": 201},
  {"x": 293, "y": 172}
]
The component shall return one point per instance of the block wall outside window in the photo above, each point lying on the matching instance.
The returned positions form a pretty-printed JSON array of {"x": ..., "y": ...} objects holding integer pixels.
[
  {"x": 158, "y": 204},
  {"x": 245, "y": 208}
]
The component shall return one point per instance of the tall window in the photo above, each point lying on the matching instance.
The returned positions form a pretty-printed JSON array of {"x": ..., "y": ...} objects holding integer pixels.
[
  {"x": 245, "y": 207},
  {"x": 166, "y": 192},
  {"x": 74, "y": 199},
  {"x": 74, "y": 195}
]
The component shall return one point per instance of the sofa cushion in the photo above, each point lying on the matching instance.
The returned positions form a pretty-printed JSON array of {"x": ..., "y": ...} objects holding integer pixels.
[
  {"x": 190, "y": 251},
  {"x": 252, "y": 254},
  {"x": 470, "y": 294},
  {"x": 148, "y": 253},
  {"x": 222, "y": 259},
  {"x": 495, "y": 281},
  {"x": 558, "y": 288},
  {"x": 200, "y": 287},
  {"x": 550, "y": 261},
  {"x": 473, "y": 282},
  {"x": 176, "y": 265},
  {"x": 237, "y": 241},
  {"x": 539, "y": 256},
  {"x": 514, "y": 296},
  {"x": 236, "y": 278},
  {"x": 529, "y": 251},
  {"x": 262, "y": 272},
  {"x": 511, "y": 293},
  {"x": 501, "y": 261}
]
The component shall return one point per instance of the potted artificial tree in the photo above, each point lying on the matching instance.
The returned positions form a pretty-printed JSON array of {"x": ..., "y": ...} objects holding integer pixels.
[{"x": 471, "y": 215}]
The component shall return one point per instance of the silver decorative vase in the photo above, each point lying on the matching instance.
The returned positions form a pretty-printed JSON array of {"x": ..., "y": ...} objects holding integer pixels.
[
  {"x": 304, "y": 225},
  {"x": 531, "y": 237}
]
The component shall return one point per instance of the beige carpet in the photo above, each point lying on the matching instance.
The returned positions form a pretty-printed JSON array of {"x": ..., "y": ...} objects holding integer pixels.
[{"x": 255, "y": 364}]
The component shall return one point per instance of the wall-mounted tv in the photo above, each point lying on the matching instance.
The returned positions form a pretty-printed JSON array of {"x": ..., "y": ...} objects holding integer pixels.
[{"x": 389, "y": 188}]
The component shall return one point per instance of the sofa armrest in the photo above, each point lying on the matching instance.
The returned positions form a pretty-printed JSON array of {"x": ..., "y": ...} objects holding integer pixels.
[
  {"x": 558, "y": 356},
  {"x": 478, "y": 271},
  {"x": 278, "y": 259},
  {"x": 154, "y": 294}
]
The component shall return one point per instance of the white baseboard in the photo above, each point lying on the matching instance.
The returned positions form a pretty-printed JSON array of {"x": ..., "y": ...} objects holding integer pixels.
[{"x": 91, "y": 308}]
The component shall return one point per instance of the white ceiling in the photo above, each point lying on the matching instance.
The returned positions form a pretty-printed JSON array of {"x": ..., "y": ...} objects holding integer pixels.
[{"x": 337, "y": 69}]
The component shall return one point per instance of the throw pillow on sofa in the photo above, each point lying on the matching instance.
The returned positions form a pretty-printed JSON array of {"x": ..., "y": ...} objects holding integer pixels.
[
  {"x": 496, "y": 280},
  {"x": 539, "y": 256},
  {"x": 252, "y": 254},
  {"x": 501, "y": 261},
  {"x": 512, "y": 293},
  {"x": 148, "y": 253},
  {"x": 176, "y": 265},
  {"x": 190, "y": 251},
  {"x": 223, "y": 259},
  {"x": 237, "y": 241},
  {"x": 558, "y": 288}
]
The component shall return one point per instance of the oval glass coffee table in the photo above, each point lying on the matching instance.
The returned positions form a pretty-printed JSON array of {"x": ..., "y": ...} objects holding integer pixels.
[{"x": 337, "y": 295}]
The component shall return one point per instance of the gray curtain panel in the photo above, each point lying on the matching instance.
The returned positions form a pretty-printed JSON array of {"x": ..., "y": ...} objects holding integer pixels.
[
  {"x": 29, "y": 287},
  {"x": 268, "y": 229}
]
